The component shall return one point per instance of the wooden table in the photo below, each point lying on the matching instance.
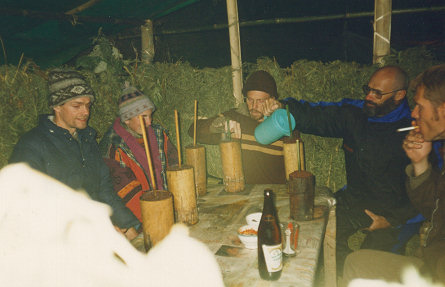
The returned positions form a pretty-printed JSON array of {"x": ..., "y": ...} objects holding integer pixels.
[{"x": 222, "y": 213}]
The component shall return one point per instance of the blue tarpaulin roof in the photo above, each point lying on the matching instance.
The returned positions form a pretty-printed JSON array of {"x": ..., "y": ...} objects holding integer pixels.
[{"x": 41, "y": 31}]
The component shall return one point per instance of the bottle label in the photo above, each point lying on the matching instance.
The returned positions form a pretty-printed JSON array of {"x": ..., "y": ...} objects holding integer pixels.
[{"x": 273, "y": 257}]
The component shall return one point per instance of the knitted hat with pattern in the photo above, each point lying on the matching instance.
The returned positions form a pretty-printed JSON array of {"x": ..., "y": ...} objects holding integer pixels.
[
  {"x": 261, "y": 81},
  {"x": 133, "y": 102},
  {"x": 65, "y": 85}
]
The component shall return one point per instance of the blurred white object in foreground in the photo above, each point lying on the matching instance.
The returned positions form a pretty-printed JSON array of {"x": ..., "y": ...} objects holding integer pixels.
[
  {"x": 410, "y": 278},
  {"x": 54, "y": 236}
]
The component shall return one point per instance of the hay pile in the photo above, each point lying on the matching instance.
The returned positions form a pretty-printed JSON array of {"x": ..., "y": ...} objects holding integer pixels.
[{"x": 172, "y": 86}]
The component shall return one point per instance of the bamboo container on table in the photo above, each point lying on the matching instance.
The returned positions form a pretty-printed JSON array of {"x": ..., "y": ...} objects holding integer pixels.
[
  {"x": 156, "y": 205},
  {"x": 230, "y": 151},
  {"x": 195, "y": 157},
  {"x": 181, "y": 183},
  {"x": 293, "y": 150}
]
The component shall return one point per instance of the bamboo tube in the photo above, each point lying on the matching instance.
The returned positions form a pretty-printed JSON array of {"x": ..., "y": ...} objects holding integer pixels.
[
  {"x": 382, "y": 30},
  {"x": 157, "y": 216},
  {"x": 302, "y": 161},
  {"x": 194, "y": 122},
  {"x": 298, "y": 155},
  {"x": 147, "y": 43},
  {"x": 147, "y": 152},
  {"x": 291, "y": 161},
  {"x": 232, "y": 166},
  {"x": 195, "y": 157},
  {"x": 156, "y": 205},
  {"x": 301, "y": 195},
  {"x": 235, "y": 50},
  {"x": 181, "y": 184},
  {"x": 177, "y": 138}
]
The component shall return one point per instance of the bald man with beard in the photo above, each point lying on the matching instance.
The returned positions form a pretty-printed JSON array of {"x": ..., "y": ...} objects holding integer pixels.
[{"x": 374, "y": 199}]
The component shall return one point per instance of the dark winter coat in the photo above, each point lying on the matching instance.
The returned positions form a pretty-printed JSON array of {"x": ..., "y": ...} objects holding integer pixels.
[
  {"x": 374, "y": 158},
  {"x": 429, "y": 199},
  {"x": 76, "y": 163}
]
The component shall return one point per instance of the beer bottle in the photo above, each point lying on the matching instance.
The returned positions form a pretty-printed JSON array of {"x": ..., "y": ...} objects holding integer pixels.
[{"x": 270, "y": 261}]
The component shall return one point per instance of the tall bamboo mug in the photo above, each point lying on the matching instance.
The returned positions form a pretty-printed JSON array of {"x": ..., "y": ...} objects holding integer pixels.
[
  {"x": 232, "y": 166},
  {"x": 293, "y": 151},
  {"x": 301, "y": 195},
  {"x": 181, "y": 183},
  {"x": 157, "y": 216},
  {"x": 196, "y": 157}
]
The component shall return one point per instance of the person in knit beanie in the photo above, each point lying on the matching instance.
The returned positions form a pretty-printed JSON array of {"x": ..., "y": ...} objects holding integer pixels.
[
  {"x": 64, "y": 147},
  {"x": 133, "y": 103},
  {"x": 123, "y": 149},
  {"x": 65, "y": 85},
  {"x": 262, "y": 164}
]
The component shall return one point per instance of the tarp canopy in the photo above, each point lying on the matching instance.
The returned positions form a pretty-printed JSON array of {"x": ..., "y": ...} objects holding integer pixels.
[
  {"x": 51, "y": 37},
  {"x": 35, "y": 29}
]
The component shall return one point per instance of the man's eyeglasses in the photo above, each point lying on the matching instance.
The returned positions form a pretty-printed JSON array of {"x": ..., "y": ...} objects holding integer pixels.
[{"x": 378, "y": 94}]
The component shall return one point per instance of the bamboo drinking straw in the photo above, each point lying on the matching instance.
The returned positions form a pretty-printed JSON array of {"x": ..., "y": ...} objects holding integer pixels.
[
  {"x": 288, "y": 119},
  {"x": 177, "y": 138},
  {"x": 195, "y": 157},
  {"x": 298, "y": 141},
  {"x": 147, "y": 152},
  {"x": 298, "y": 155},
  {"x": 194, "y": 123}
]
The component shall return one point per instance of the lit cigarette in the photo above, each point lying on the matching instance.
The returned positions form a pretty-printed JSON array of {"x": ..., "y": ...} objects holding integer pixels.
[{"x": 407, "y": 129}]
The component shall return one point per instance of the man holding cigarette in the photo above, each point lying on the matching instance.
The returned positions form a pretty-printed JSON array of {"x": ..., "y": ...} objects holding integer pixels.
[
  {"x": 64, "y": 146},
  {"x": 124, "y": 152},
  {"x": 374, "y": 199},
  {"x": 425, "y": 187}
]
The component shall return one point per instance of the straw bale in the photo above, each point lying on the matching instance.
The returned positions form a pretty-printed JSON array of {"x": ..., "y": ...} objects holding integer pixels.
[{"x": 23, "y": 91}]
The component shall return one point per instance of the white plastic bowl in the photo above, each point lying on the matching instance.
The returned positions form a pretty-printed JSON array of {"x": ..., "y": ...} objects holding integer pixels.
[
  {"x": 249, "y": 240},
  {"x": 254, "y": 219}
]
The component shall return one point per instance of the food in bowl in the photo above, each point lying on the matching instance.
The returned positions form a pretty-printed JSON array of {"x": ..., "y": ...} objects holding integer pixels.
[
  {"x": 248, "y": 236},
  {"x": 249, "y": 231}
]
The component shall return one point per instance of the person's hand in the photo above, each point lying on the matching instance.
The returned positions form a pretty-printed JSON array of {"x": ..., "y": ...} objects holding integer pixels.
[
  {"x": 269, "y": 106},
  {"x": 129, "y": 233},
  {"x": 378, "y": 221},
  {"x": 235, "y": 129},
  {"x": 417, "y": 149}
]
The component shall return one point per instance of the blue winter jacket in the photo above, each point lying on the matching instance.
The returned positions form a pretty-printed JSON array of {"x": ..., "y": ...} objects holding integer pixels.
[{"x": 77, "y": 163}]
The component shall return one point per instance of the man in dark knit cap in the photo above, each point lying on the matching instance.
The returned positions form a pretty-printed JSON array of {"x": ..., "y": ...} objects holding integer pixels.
[
  {"x": 261, "y": 163},
  {"x": 64, "y": 146},
  {"x": 123, "y": 149}
]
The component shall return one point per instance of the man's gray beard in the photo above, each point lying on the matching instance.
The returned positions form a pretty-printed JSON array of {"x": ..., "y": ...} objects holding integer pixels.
[{"x": 380, "y": 110}]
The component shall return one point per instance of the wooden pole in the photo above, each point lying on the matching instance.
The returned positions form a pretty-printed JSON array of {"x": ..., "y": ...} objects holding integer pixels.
[
  {"x": 194, "y": 123},
  {"x": 235, "y": 50},
  {"x": 82, "y": 7},
  {"x": 382, "y": 30},
  {"x": 147, "y": 152},
  {"x": 177, "y": 138},
  {"x": 147, "y": 43}
]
